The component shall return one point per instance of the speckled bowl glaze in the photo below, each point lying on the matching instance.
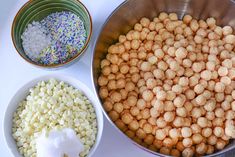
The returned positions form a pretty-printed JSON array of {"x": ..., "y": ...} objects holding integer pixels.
[{"x": 36, "y": 10}]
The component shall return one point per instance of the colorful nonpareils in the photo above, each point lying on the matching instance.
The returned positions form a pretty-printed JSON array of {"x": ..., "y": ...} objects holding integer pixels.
[{"x": 55, "y": 39}]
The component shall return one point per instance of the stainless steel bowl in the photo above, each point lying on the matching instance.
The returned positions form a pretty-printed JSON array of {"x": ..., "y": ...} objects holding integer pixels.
[{"x": 131, "y": 11}]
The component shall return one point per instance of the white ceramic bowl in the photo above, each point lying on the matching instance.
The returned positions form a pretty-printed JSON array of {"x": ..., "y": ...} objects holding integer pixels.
[{"x": 24, "y": 91}]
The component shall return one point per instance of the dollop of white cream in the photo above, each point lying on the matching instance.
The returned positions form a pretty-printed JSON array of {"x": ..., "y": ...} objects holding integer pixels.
[{"x": 59, "y": 143}]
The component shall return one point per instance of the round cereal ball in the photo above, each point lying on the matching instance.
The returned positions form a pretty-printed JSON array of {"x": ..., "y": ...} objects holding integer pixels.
[
  {"x": 222, "y": 71},
  {"x": 149, "y": 139},
  {"x": 145, "y": 114},
  {"x": 198, "y": 39},
  {"x": 170, "y": 74},
  {"x": 108, "y": 105},
  {"x": 145, "y": 22},
  {"x": 194, "y": 25},
  {"x": 210, "y": 105},
  {"x": 218, "y": 131},
  {"x": 113, "y": 115},
  {"x": 174, "y": 133},
  {"x": 147, "y": 128},
  {"x": 190, "y": 94},
  {"x": 158, "y": 74},
  {"x": 225, "y": 80},
  {"x": 197, "y": 138},
  {"x": 118, "y": 107},
  {"x": 160, "y": 122},
  {"x": 106, "y": 70},
  {"x": 127, "y": 118},
  {"x": 159, "y": 105},
  {"x": 210, "y": 149},
  {"x": 220, "y": 144},
  {"x": 201, "y": 148},
  {"x": 103, "y": 92},
  {"x": 196, "y": 112},
  {"x": 174, "y": 65},
  {"x": 219, "y": 112},
  {"x": 135, "y": 44},
  {"x": 161, "y": 95},
  {"x": 219, "y": 87},
  {"x": 167, "y": 142},
  {"x": 102, "y": 81},
  {"x": 121, "y": 83},
  {"x": 153, "y": 60},
  {"x": 147, "y": 95},
  {"x": 134, "y": 110},
  {"x": 202, "y": 122},
  {"x": 200, "y": 100},
  {"x": 169, "y": 116},
  {"x": 187, "y": 19},
  {"x": 206, "y": 75},
  {"x": 197, "y": 67},
  {"x": 124, "y": 68},
  {"x": 160, "y": 134},
  {"x": 181, "y": 111},
  {"x": 183, "y": 81},
  {"x": 178, "y": 122},
  {"x": 181, "y": 52},
  {"x": 230, "y": 39},
  {"x": 130, "y": 134},
  {"x": 119, "y": 123},
  {"x": 211, "y": 22},
  {"x": 207, "y": 132},
  {"x": 229, "y": 115},
  {"x": 230, "y": 131},
  {"x": 188, "y": 152},
  {"x": 145, "y": 66},
  {"x": 159, "y": 53},
  {"x": 179, "y": 101},
  {"x": 175, "y": 152},
  {"x": 227, "y": 63},
  {"x": 186, "y": 132},
  {"x": 177, "y": 89},
  {"x": 162, "y": 16},
  {"x": 116, "y": 96},
  {"x": 140, "y": 133},
  {"x": 227, "y": 30},
  {"x": 212, "y": 140},
  {"x": 164, "y": 150},
  {"x": 133, "y": 125},
  {"x": 210, "y": 65},
  {"x": 198, "y": 89},
  {"x": 130, "y": 86},
  {"x": 187, "y": 142}
]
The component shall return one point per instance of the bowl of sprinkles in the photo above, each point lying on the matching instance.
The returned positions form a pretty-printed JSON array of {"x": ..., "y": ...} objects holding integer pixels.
[{"x": 51, "y": 33}]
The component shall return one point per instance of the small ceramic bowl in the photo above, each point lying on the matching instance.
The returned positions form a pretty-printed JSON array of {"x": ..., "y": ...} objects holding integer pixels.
[
  {"x": 36, "y": 10},
  {"x": 24, "y": 91}
]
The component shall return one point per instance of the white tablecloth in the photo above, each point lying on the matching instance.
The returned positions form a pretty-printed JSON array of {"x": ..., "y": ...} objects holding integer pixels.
[{"x": 15, "y": 72}]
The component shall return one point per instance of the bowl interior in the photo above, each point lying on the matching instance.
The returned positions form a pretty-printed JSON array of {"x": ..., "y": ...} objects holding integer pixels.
[
  {"x": 131, "y": 11},
  {"x": 36, "y": 10},
  {"x": 24, "y": 91}
]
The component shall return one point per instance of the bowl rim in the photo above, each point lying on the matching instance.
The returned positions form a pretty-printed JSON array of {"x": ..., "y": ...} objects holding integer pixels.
[
  {"x": 69, "y": 61},
  {"x": 106, "y": 114},
  {"x": 68, "y": 79}
]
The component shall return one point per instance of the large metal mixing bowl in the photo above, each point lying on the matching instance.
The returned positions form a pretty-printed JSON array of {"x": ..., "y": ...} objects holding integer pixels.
[{"x": 130, "y": 12}]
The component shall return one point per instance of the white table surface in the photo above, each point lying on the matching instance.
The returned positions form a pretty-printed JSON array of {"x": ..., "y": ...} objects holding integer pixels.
[{"x": 14, "y": 72}]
